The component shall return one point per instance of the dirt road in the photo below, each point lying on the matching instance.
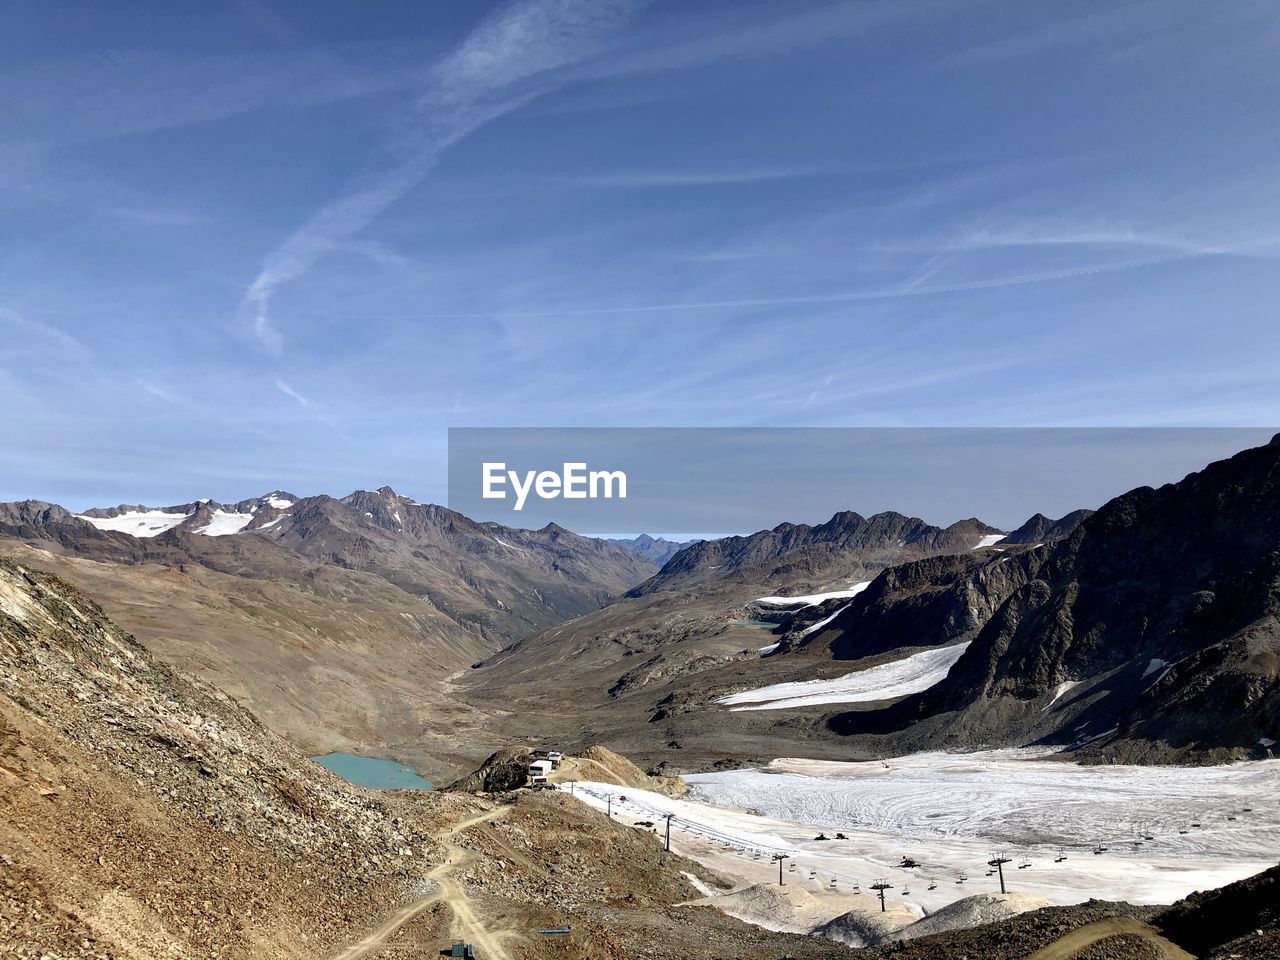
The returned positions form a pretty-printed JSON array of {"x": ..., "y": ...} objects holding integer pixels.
[
  {"x": 1068, "y": 946},
  {"x": 467, "y": 926}
]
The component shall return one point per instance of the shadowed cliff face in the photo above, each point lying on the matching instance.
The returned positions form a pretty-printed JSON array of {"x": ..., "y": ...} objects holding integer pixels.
[
  {"x": 932, "y": 602},
  {"x": 1154, "y": 624}
]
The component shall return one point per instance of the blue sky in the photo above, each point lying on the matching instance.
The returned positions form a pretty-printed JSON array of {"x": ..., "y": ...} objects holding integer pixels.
[{"x": 260, "y": 245}]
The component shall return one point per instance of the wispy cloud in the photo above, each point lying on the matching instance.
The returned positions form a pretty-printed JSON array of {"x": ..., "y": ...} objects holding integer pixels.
[
  {"x": 157, "y": 391},
  {"x": 43, "y": 331},
  {"x": 81, "y": 100},
  {"x": 853, "y": 296},
  {"x": 157, "y": 216},
  {"x": 697, "y": 178},
  {"x": 1051, "y": 234},
  {"x": 1060, "y": 32},
  {"x": 728, "y": 40},
  {"x": 481, "y": 80},
  {"x": 315, "y": 411},
  {"x": 291, "y": 393}
]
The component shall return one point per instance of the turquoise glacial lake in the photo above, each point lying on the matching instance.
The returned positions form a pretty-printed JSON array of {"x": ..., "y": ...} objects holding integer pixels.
[{"x": 372, "y": 772}]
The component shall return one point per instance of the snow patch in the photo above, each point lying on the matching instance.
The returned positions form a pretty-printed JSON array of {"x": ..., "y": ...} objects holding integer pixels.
[
  {"x": 989, "y": 540},
  {"x": 824, "y": 621},
  {"x": 224, "y": 523},
  {"x": 765, "y": 651},
  {"x": 887, "y": 681},
  {"x": 138, "y": 523},
  {"x": 1062, "y": 688},
  {"x": 1155, "y": 664},
  {"x": 813, "y": 599}
]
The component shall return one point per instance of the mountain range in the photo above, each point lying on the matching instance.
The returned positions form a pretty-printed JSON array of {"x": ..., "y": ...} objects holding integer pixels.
[
  {"x": 1150, "y": 632},
  {"x": 657, "y": 550},
  {"x": 1143, "y": 631},
  {"x": 338, "y": 620},
  {"x": 1146, "y": 631}
]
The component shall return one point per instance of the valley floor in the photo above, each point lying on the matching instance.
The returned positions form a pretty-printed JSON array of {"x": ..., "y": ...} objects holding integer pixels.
[{"x": 950, "y": 812}]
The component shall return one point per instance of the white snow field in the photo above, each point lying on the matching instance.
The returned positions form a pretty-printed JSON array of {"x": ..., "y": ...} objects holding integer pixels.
[
  {"x": 150, "y": 523},
  {"x": 920, "y": 671},
  {"x": 225, "y": 522},
  {"x": 990, "y": 540},
  {"x": 813, "y": 599},
  {"x": 951, "y": 811},
  {"x": 139, "y": 523}
]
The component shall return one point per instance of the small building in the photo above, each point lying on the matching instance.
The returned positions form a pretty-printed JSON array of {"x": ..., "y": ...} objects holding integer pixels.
[{"x": 539, "y": 770}]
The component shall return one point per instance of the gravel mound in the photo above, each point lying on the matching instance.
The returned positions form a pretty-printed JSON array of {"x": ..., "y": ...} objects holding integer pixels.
[{"x": 969, "y": 912}]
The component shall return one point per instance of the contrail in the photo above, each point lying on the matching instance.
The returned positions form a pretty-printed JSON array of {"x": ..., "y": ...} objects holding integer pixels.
[{"x": 846, "y": 297}]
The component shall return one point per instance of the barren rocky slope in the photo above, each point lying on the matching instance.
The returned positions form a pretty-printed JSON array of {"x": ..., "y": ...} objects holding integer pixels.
[
  {"x": 147, "y": 815},
  {"x": 144, "y": 815},
  {"x": 337, "y": 621}
]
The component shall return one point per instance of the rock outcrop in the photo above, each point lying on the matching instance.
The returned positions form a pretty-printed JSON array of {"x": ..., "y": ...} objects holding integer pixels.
[{"x": 1152, "y": 631}]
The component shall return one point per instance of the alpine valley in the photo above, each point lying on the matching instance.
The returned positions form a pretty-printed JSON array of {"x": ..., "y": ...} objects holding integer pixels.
[{"x": 167, "y": 670}]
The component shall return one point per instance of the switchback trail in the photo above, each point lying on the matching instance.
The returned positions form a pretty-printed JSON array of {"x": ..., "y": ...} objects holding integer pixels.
[
  {"x": 467, "y": 924},
  {"x": 1067, "y": 947}
]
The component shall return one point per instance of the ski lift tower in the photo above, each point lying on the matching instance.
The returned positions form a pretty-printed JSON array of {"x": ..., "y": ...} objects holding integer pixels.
[
  {"x": 998, "y": 861},
  {"x": 880, "y": 886},
  {"x": 781, "y": 858}
]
